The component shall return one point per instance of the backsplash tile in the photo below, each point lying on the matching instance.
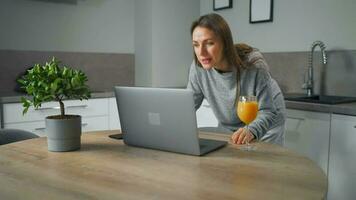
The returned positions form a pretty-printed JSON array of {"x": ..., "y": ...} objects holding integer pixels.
[
  {"x": 104, "y": 70},
  {"x": 336, "y": 78}
]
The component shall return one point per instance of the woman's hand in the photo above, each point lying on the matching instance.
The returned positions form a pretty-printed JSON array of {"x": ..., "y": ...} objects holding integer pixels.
[{"x": 242, "y": 136}]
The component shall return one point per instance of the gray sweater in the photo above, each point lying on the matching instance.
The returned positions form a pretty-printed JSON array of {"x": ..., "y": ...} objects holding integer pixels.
[{"x": 219, "y": 89}]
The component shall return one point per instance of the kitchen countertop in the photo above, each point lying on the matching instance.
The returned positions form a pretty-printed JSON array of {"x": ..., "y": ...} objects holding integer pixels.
[
  {"x": 14, "y": 97},
  {"x": 344, "y": 108}
]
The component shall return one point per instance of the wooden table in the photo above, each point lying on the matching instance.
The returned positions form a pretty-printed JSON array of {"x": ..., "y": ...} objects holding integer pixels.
[{"x": 105, "y": 168}]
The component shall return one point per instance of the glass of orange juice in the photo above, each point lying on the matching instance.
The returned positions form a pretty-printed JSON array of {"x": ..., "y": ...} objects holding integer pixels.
[{"x": 247, "y": 108}]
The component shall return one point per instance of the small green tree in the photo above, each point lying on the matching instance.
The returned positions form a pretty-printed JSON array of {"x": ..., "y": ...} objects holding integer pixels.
[{"x": 52, "y": 82}]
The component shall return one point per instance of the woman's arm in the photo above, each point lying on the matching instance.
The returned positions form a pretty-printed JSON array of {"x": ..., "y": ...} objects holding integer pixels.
[{"x": 269, "y": 114}]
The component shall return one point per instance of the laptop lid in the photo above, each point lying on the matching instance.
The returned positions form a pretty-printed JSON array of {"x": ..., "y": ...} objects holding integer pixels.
[{"x": 158, "y": 118}]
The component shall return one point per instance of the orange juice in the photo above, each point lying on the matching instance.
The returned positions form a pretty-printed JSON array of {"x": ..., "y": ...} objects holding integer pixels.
[{"x": 247, "y": 111}]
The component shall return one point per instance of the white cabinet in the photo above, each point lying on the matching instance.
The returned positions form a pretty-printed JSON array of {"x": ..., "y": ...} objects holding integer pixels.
[
  {"x": 97, "y": 114},
  {"x": 114, "y": 120},
  {"x": 308, "y": 133},
  {"x": 342, "y": 163},
  {"x": 94, "y": 112},
  {"x": 205, "y": 116},
  {"x": 36, "y": 127}
]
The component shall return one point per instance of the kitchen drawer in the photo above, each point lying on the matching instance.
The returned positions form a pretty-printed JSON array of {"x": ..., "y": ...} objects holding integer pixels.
[
  {"x": 38, "y": 127},
  {"x": 92, "y": 107}
]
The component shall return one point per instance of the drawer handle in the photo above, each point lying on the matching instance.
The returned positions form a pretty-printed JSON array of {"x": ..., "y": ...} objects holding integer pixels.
[
  {"x": 78, "y": 106},
  {"x": 206, "y": 106},
  {"x": 57, "y": 107},
  {"x": 48, "y": 108},
  {"x": 43, "y": 128}
]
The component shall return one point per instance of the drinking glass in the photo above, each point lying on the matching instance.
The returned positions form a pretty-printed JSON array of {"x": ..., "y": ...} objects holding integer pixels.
[{"x": 247, "y": 108}]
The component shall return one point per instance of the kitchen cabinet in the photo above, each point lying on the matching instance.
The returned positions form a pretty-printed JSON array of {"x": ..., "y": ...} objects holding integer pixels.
[
  {"x": 308, "y": 133},
  {"x": 94, "y": 112},
  {"x": 38, "y": 127},
  {"x": 114, "y": 119},
  {"x": 97, "y": 114},
  {"x": 342, "y": 163},
  {"x": 205, "y": 116}
]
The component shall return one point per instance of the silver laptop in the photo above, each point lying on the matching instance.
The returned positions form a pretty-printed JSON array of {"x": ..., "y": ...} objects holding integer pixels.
[{"x": 161, "y": 118}]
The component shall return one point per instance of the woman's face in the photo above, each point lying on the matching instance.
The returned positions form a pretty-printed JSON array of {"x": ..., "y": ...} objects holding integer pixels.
[{"x": 208, "y": 48}]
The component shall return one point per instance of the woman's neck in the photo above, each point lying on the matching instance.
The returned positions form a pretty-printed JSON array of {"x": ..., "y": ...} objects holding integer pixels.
[{"x": 223, "y": 67}]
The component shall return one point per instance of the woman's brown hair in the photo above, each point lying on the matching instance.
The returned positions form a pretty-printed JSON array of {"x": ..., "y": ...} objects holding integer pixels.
[
  {"x": 243, "y": 50},
  {"x": 219, "y": 26}
]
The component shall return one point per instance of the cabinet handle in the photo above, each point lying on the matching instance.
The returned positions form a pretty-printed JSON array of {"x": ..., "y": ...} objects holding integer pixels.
[
  {"x": 57, "y": 107},
  {"x": 297, "y": 118},
  {"x": 206, "y": 106},
  {"x": 43, "y": 128},
  {"x": 48, "y": 108},
  {"x": 78, "y": 106}
]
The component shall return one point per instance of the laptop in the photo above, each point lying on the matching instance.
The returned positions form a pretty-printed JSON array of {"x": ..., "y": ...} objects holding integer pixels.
[{"x": 161, "y": 118}]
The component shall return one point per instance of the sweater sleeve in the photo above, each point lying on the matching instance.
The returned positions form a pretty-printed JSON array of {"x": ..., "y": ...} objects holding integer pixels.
[
  {"x": 194, "y": 85},
  {"x": 269, "y": 115}
]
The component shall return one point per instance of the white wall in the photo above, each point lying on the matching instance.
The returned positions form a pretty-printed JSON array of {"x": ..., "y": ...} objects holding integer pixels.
[
  {"x": 143, "y": 42},
  {"x": 169, "y": 40},
  {"x": 173, "y": 54},
  {"x": 296, "y": 24},
  {"x": 88, "y": 26},
  {"x": 161, "y": 41}
]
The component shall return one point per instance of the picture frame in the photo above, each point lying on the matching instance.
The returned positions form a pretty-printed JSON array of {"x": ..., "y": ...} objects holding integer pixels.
[
  {"x": 261, "y": 11},
  {"x": 221, "y": 4}
]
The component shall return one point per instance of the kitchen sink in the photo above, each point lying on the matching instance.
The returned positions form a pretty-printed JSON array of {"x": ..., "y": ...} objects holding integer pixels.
[{"x": 322, "y": 99}]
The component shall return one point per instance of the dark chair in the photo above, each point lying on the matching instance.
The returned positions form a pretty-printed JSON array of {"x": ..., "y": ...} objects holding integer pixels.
[{"x": 14, "y": 135}]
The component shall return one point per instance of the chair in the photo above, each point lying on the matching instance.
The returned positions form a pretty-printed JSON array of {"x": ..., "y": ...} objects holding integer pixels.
[{"x": 14, "y": 135}]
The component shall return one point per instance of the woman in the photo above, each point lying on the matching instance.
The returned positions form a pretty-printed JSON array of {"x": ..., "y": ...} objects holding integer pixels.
[{"x": 221, "y": 72}]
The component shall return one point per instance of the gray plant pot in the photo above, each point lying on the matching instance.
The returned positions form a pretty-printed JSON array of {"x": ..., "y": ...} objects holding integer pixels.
[{"x": 63, "y": 134}]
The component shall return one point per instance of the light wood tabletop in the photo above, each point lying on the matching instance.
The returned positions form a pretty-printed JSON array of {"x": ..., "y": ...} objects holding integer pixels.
[{"x": 105, "y": 168}]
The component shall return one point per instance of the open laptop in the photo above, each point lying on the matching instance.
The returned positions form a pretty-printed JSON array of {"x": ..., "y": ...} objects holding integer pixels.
[{"x": 161, "y": 118}]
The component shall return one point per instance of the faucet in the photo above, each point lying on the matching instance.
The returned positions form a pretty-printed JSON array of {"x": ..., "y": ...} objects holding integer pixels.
[{"x": 309, "y": 84}]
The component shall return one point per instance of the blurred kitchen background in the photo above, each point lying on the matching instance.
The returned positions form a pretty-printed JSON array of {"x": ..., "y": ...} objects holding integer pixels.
[{"x": 147, "y": 42}]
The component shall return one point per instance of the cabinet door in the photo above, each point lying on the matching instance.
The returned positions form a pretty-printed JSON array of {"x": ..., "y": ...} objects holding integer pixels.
[
  {"x": 39, "y": 127},
  {"x": 94, "y": 114},
  {"x": 92, "y": 107},
  {"x": 205, "y": 116},
  {"x": 98, "y": 123},
  {"x": 308, "y": 134},
  {"x": 114, "y": 120},
  {"x": 342, "y": 164}
]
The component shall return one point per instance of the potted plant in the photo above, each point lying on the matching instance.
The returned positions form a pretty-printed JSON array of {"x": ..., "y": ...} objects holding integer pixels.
[{"x": 52, "y": 82}]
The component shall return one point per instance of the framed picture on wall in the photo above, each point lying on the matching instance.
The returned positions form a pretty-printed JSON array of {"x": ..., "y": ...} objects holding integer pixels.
[
  {"x": 261, "y": 11},
  {"x": 222, "y": 4}
]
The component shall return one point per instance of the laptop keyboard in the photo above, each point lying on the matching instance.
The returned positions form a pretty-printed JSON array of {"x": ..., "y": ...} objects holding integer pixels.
[{"x": 204, "y": 142}]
